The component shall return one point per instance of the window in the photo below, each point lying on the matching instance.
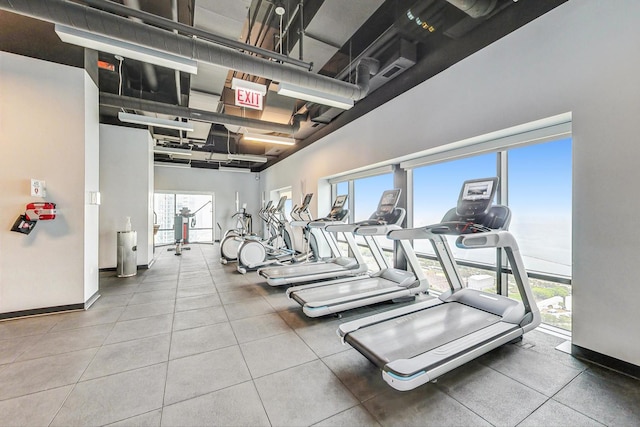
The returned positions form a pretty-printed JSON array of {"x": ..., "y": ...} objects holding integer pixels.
[
  {"x": 436, "y": 189},
  {"x": 540, "y": 201},
  {"x": 538, "y": 182},
  {"x": 200, "y": 217}
]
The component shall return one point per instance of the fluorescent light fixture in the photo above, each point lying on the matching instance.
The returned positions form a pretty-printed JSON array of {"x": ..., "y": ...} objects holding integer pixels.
[
  {"x": 245, "y": 84},
  {"x": 173, "y": 165},
  {"x": 154, "y": 121},
  {"x": 126, "y": 49},
  {"x": 311, "y": 95},
  {"x": 230, "y": 169},
  {"x": 248, "y": 158},
  {"x": 258, "y": 137},
  {"x": 173, "y": 152}
]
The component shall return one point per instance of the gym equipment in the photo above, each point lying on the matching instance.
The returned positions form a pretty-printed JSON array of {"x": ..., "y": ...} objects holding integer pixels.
[
  {"x": 387, "y": 284},
  {"x": 253, "y": 254},
  {"x": 182, "y": 222},
  {"x": 417, "y": 343},
  {"x": 340, "y": 267},
  {"x": 233, "y": 237},
  {"x": 304, "y": 240}
]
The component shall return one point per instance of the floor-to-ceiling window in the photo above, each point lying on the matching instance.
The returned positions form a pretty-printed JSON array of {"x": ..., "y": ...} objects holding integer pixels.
[
  {"x": 535, "y": 182},
  {"x": 539, "y": 195},
  {"x": 364, "y": 198},
  {"x": 196, "y": 211}
]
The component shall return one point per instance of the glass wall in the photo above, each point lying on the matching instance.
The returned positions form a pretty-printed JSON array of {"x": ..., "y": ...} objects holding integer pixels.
[
  {"x": 536, "y": 185},
  {"x": 199, "y": 217}
]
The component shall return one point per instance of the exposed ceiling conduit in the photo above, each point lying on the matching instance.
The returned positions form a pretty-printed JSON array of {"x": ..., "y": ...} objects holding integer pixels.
[
  {"x": 187, "y": 29},
  {"x": 117, "y": 101},
  {"x": 475, "y": 8},
  {"x": 107, "y": 24}
]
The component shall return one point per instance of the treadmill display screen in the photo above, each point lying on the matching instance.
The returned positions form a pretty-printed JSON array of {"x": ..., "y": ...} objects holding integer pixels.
[
  {"x": 477, "y": 190},
  {"x": 340, "y": 201},
  {"x": 389, "y": 200}
]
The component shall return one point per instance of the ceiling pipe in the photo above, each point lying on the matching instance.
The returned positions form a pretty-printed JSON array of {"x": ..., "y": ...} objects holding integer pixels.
[
  {"x": 174, "y": 16},
  {"x": 108, "y": 24},
  {"x": 127, "y": 102},
  {"x": 168, "y": 24},
  {"x": 475, "y": 8}
]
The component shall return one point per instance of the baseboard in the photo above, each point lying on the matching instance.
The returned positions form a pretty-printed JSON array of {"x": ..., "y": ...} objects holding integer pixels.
[
  {"x": 139, "y": 267},
  {"x": 91, "y": 300},
  {"x": 606, "y": 361},
  {"x": 41, "y": 311}
]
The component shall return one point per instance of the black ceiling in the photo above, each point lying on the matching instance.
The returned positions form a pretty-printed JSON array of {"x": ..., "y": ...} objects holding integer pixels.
[{"x": 435, "y": 34}]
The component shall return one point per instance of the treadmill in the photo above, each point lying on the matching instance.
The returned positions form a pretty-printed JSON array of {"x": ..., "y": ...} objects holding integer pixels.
[
  {"x": 417, "y": 343},
  {"x": 337, "y": 266},
  {"x": 387, "y": 284}
]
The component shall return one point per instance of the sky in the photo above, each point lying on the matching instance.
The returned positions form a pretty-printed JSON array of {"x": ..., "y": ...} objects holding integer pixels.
[{"x": 539, "y": 198}]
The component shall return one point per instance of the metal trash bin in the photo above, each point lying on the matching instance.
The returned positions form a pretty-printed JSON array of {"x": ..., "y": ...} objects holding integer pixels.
[{"x": 127, "y": 253}]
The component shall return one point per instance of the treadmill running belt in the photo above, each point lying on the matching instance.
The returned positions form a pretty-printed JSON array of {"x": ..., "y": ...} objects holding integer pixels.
[
  {"x": 303, "y": 269},
  {"x": 409, "y": 336}
]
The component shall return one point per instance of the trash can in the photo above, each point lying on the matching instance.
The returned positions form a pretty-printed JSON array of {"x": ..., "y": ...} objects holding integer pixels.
[{"x": 127, "y": 253}]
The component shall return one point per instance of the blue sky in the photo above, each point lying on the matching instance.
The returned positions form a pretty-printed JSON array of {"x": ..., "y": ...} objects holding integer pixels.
[{"x": 539, "y": 196}]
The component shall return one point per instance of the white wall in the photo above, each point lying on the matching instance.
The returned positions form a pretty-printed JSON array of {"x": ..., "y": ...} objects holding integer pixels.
[
  {"x": 126, "y": 188},
  {"x": 223, "y": 184},
  {"x": 582, "y": 58},
  {"x": 92, "y": 185},
  {"x": 46, "y": 133}
]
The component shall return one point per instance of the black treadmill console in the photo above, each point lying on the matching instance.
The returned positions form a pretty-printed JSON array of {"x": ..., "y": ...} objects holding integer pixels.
[
  {"x": 338, "y": 212},
  {"x": 475, "y": 212},
  {"x": 386, "y": 213},
  {"x": 476, "y": 198}
]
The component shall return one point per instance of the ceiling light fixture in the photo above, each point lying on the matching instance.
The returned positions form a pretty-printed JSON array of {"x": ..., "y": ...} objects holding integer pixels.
[
  {"x": 311, "y": 95},
  {"x": 126, "y": 49},
  {"x": 270, "y": 139},
  {"x": 280, "y": 10},
  {"x": 231, "y": 169},
  {"x": 173, "y": 165},
  {"x": 154, "y": 121},
  {"x": 247, "y": 158},
  {"x": 173, "y": 152}
]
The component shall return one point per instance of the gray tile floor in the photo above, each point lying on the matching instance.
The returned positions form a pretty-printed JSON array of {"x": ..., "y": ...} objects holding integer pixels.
[{"x": 190, "y": 342}]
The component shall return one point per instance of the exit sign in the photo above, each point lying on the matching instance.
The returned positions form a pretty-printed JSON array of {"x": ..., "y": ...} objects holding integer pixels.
[
  {"x": 248, "y": 98},
  {"x": 248, "y": 94}
]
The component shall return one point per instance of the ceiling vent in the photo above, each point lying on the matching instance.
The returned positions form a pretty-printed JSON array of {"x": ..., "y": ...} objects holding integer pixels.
[{"x": 398, "y": 57}]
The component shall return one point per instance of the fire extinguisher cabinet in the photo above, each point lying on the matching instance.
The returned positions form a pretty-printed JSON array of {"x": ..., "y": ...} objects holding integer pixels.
[{"x": 127, "y": 253}]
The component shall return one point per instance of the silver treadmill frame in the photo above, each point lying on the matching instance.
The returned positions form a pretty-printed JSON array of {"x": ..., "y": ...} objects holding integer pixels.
[
  {"x": 341, "y": 301},
  {"x": 409, "y": 373}
]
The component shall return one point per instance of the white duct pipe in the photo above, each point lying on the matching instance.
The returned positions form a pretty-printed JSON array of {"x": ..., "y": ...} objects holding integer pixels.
[{"x": 100, "y": 22}]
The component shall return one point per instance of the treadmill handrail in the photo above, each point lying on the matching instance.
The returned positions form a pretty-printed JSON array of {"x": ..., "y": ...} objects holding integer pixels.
[
  {"x": 340, "y": 228},
  {"x": 376, "y": 230}
]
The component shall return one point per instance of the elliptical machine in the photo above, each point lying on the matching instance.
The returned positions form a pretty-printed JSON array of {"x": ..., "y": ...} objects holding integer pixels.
[
  {"x": 282, "y": 246},
  {"x": 233, "y": 237}
]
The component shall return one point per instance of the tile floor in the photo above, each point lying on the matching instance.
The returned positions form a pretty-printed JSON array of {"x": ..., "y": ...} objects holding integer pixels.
[{"x": 190, "y": 342}]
